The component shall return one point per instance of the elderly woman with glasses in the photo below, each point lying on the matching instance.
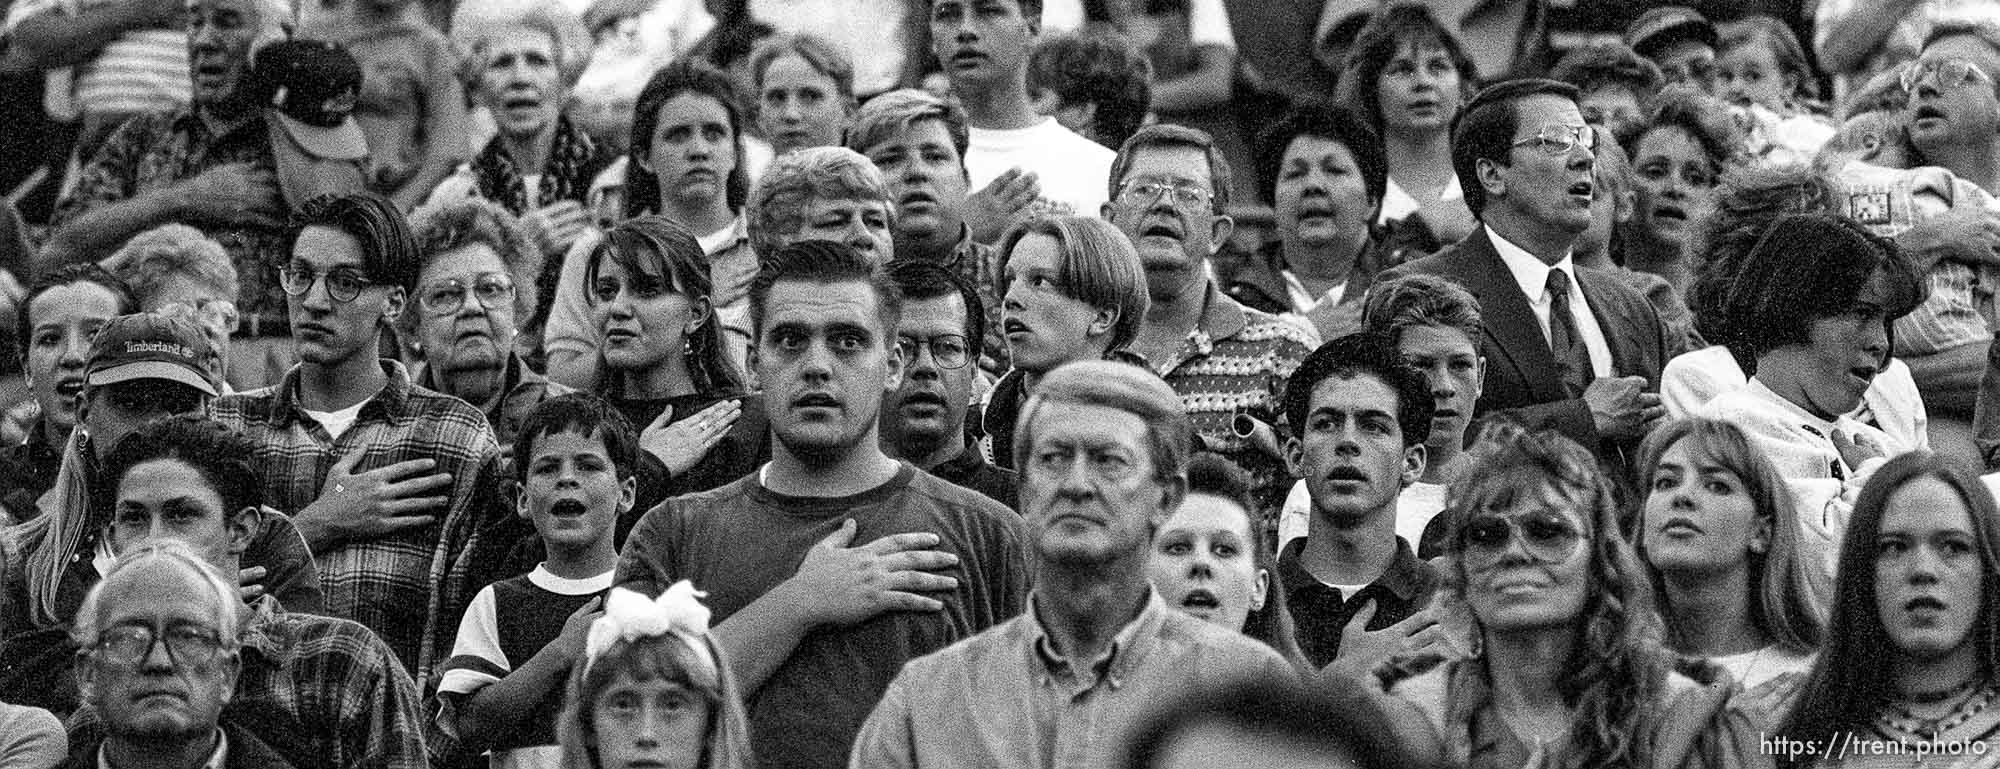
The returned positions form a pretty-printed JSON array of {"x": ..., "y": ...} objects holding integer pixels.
[{"x": 476, "y": 281}]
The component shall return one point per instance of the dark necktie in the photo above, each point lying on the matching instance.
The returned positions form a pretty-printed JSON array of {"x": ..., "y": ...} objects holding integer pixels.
[{"x": 1571, "y": 356}]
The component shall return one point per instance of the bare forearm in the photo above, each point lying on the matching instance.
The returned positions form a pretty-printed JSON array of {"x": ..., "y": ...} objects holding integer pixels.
[
  {"x": 1208, "y": 85},
  {"x": 1949, "y": 380},
  {"x": 99, "y": 231},
  {"x": 57, "y": 39},
  {"x": 1853, "y": 36},
  {"x": 761, "y": 636},
  {"x": 499, "y": 708}
]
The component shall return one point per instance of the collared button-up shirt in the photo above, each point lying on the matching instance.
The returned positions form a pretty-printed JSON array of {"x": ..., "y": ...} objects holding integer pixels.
[
  {"x": 1007, "y": 699},
  {"x": 409, "y": 587},
  {"x": 1237, "y": 359},
  {"x": 154, "y": 152},
  {"x": 1533, "y": 275},
  {"x": 1320, "y": 612},
  {"x": 322, "y": 692}
]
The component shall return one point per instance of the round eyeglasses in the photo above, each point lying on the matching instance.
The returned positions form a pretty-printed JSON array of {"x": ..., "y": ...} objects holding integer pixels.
[
  {"x": 343, "y": 284},
  {"x": 492, "y": 290}
]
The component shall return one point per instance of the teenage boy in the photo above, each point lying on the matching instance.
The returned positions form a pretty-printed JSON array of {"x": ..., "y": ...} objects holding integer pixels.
[
  {"x": 381, "y": 476},
  {"x": 1359, "y": 417},
  {"x": 1018, "y": 159},
  {"x": 502, "y": 688}
]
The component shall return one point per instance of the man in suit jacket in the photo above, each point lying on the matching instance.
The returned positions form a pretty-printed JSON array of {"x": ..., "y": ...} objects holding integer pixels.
[{"x": 1568, "y": 348}]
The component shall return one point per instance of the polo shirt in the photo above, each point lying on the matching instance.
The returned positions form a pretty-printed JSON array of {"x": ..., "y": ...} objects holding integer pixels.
[{"x": 1320, "y": 612}]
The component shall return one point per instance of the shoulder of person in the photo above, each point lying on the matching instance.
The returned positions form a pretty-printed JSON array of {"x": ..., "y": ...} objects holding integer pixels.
[{"x": 987, "y": 652}]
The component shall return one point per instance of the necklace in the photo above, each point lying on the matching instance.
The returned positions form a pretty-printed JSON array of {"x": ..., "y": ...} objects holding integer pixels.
[{"x": 1929, "y": 729}]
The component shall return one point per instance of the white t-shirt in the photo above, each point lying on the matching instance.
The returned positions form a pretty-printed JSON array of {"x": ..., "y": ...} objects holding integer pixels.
[
  {"x": 1208, "y": 21},
  {"x": 1415, "y": 507},
  {"x": 1074, "y": 171},
  {"x": 479, "y": 636},
  {"x": 337, "y": 422}
]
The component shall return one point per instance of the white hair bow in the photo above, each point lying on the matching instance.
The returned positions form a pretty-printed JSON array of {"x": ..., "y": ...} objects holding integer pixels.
[{"x": 629, "y": 616}]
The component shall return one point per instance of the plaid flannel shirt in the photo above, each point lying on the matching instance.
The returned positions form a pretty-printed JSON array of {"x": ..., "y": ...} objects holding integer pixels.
[
  {"x": 324, "y": 693},
  {"x": 409, "y": 587}
]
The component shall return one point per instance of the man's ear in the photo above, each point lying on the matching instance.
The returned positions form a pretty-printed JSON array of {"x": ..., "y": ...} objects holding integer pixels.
[
  {"x": 894, "y": 381},
  {"x": 1044, "y": 101},
  {"x": 1295, "y": 457},
  {"x": 1107, "y": 212},
  {"x": 86, "y": 676},
  {"x": 628, "y": 493},
  {"x": 242, "y": 526},
  {"x": 1488, "y": 174},
  {"x": 1170, "y": 501},
  {"x": 1415, "y": 458},
  {"x": 1102, "y": 323},
  {"x": 1479, "y": 379},
  {"x": 1624, "y": 206},
  {"x": 1260, "y": 591},
  {"x": 1219, "y": 231},
  {"x": 521, "y": 501}
]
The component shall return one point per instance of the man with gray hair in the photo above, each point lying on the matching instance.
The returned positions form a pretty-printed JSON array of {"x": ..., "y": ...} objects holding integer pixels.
[
  {"x": 918, "y": 141},
  {"x": 822, "y": 193},
  {"x": 159, "y": 642},
  {"x": 1101, "y": 447}
]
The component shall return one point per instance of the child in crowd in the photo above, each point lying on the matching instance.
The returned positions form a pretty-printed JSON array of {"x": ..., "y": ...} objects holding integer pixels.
[
  {"x": 502, "y": 688},
  {"x": 654, "y": 689},
  {"x": 412, "y": 105},
  {"x": 1762, "y": 69}
]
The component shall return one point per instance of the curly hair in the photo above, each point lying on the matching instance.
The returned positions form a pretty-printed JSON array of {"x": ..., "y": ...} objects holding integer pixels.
[
  {"x": 219, "y": 454},
  {"x": 473, "y": 26},
  {"x": 1687, "y": 108},
  {"x": 1621, "y": 668},
  {"x": 778, "y": 201},
  {"x": 1786, "y": 585},
  {"x": 1351, "y": 356},
  {"x": 655, "y": 251},
  {"x": 173, "y": 250},
  {"x": 1325, "y": 121},
  {"x": 1851, "y": 676},
  {"x": 1097, "y": 68},
  {"x": 457, "y": 224}
]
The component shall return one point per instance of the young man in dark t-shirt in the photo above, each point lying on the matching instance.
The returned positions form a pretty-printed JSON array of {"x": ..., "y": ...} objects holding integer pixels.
[{"x": 815, "y": 629}]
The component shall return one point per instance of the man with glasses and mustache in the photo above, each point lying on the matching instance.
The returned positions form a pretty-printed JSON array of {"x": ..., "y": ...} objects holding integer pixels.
[
  {"x": 382, "y": 476},
  {"x": 1567, "y": 348},
  {"x": 1169, "y": 190},
  {"x": 924, "y": 420}
]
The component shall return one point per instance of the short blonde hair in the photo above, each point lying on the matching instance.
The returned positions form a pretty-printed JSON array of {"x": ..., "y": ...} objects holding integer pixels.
[
  {"x": 778, "y": 201},
  {"x": 474, "y": 24},
  {"x": 151, "y": 257}
]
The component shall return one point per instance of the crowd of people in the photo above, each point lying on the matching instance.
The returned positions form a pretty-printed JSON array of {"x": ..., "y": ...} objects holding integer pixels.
[{"x": 429, "y": 384}]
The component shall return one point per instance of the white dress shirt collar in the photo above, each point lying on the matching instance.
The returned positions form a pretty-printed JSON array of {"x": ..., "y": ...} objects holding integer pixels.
[{"x": 1528, "y": 270}]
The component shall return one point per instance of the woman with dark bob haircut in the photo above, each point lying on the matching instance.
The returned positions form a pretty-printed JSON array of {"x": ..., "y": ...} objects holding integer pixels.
[{"x": 1911, "y": 649}]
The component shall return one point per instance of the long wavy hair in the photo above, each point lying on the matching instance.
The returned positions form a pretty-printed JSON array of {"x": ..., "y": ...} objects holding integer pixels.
[
  {"x": 726, "y": 741},
  {"x": 653, "y": 249},
  {"x": 1850, "y": 678},
  {"x": 642, "y": 187},
  {"x": 1786, "y": 587},
  {"x": 1621, "y": 668}
]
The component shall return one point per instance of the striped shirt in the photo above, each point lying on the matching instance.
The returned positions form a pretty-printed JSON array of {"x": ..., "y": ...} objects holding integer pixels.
[
  {"x": 142, "y": 70},
  {"x": 409, "y": 587},
  {"x": 1237, "y": 359}
]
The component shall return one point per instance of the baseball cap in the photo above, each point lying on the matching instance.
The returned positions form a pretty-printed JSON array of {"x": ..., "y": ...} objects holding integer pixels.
[
  {"x": 1657, "y": 27},
  {"x": 149, "y": 346},
  {"x": 313, "y": 86}
]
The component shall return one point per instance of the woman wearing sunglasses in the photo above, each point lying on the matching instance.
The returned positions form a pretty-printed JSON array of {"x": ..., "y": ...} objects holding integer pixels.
[
  {"x": 663, "y": 360},
  {"x": 476, "y": 281},
  {"x": 1722, "y": 542},
  {"x": 1565, "y": 669}
]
